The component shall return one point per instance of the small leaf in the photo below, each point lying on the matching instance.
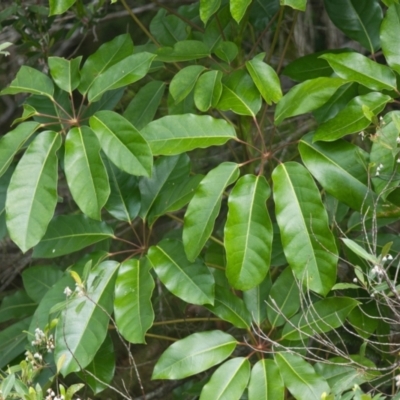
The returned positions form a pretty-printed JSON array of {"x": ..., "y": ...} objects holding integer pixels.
[
  {"x": 65, "y": 72},
  {"x": 208, "y": 90},
  {"x": 60, "y": 6},
  {"x": 360, "y": 251},
  {"x": 226, "y": 51},
  {"x": 238, "y": 8},
  {"x": 296, "y": 4},
  {"x": 208, "y": 8},
  {"x": 196, "y": 353},
  {"x": 183, "y": 82},
  {"x": 390, "y": 30}
]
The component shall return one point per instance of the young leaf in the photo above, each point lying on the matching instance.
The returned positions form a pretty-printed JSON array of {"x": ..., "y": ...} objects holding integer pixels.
[
  {"x": 86, "y": 175},
  {"x": 192, "y": 282},
  {"x": 183, "y": 82},
  {"x": 390, "y": 30},
  {"x": 204, "y": 207},
  {"x": 196, "y": 353},
  {"x": 255, "y": 300},
  {"x": 60, "y": 6},
  {"x": 308, "y": 243},
  {"x": 32, "y": 193},
  {"x": 133, "y": 310},
  {"x": 122, "y": 143},
  {"x": 208, "y": 8},
  {"x": 175, "y": 134},
  {"x": 248, "y": 233},
  {"x": 238, "y": 8},
  {"x": 208, "y": 90},
  {"x": 296, "y": 4},
  {"x": 228, "y": 381},
  {"x": 65, "y": 73}
]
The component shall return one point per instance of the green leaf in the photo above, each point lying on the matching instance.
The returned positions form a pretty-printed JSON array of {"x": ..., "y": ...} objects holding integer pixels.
[
  {"x": 60, "y": 6},
  {"x": 357, "y": 68},
  {"x": 13, "y": 141},
  {"x": 122, "y": 143},
  {"x": 65, "y": 73},
  {"x": 230, "y": 308},
  {"x": 204, "y": 207},
  {"x": 390, "y": 31},
  {"x": 143, "y": 107},
  {"x": 83, "y": 325},
  {"x": 30, "y": 80},
  {"x": 248, "y": 233},
  {"x": 86, "y": 175},
  {"x": 351, "y": 119},
  {"x": 238, "y": 8},
  {"x": 228, "y": 381},
  {"x": 32, "y": 193},
  {"x": 322, "y": 316},
  {"x": 308, "y": 243},
  {"x": 255, "y": 300},
  {"x": 240, "y": 95},
  {"x": 266, "y": 382},
  {"x": 360, "y": 251},
  {"x": 358, "y": 19},
  {"x": 133, "y": 310},
  {"x": 184, "y": 50},
  {"x": 266, "y": 80},
  {"x": 306, "y": 96},
  {"x": 365, "y": 319},
  {"x": 226, "y": 51},
  {"x": 192, "y": 282},
  {"x": 175, "y": 134},
  {"x": 16, "y": 305},
  {"x": 208, "y": 90},
  {"x": 300, "y": 377},
  {"x": 69, "y": 233},
  {"x": 168, "y": 29},
  {"x": 123, "y": 73},
  {"x": 183, "y": 82},
  {"x": 295, "y": 4},
  {"x": 208, "y": 8},
  {"x": 196, "y": 353}
]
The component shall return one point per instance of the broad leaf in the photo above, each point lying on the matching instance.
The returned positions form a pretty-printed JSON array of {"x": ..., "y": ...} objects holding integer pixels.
[
  {"x": 60, "y": 6},
  {"x": 192, "y": 282},
  {"x": 228, "y": 381},
  {"x": 133, "y": 310},
  {"x": 204, "y": 207},
  {"x": 256, "y": 300},
  {"x": 248, "y": 233},
  {"x": 86, "y": 175},
  {"x": 32, "y": 193},
  {"x": 238, "y": 8},
  {"x": 183, "y": 82},
  {"x": 175, "y": 134},
  {"x": 196, "y": 353},
  {"x": 208, "y": 8},
  {"x": 365, "y": 319},
  {"x": 390, "y": 31},
  {"x": 83, "y": 325},
  {"x": 69, "y": 233},
  {"x": 16, "y": 305},
  {"x": 296, "y": 4},
  {"x": 208, "y": 90},
  {"x": 65, "y": 73},
  {"x": 184, "y": 50},
  {"x": 308, "y": 243}
]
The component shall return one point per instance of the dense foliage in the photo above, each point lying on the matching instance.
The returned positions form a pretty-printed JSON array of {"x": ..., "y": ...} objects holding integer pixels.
[{"x": 163, "y": 192}]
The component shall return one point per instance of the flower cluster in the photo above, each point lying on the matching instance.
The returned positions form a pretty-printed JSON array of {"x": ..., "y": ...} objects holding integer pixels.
[
  {"x": 42, "y": 340},
  {"x": 52, "y": 396},
  {"x": 378, "y": 169},
  {"x": 397, "y": 379}
]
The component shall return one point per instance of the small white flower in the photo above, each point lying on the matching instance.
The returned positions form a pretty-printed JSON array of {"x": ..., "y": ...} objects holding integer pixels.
[
  {"x": 384, "y": 259},
  {"x": 398, "y": 160},
  {"x": 398, "y": 140},
  {"x": 389, "y": 257},
  {"x": 355, "y": 280},
  {"x": 67, "y": 291},
  {"x": 377, "y": 173}
]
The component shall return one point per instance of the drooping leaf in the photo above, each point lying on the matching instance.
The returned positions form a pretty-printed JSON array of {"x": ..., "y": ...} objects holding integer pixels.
[
  {"x": 69, "y": 233},
  {"x": 196, "y": 353},
  {"x": 184, "y": 50},
  {"x": 133, "y": 310},
  {"x": 308, "y": 243},
  {"x": 183, "y": 82},
  {"x": 192, "y": 282},
  {"x": 16, "y": 305},
  {"x": 204, "y": 207},
  {"x": 65, "y": 73},
  {"x": 228, "y": 381},
  {"x": 248, "y": 233},
  {"x": 296, "y": 4},
  {"x": 32, "y": 193},
  {"x": 390, "y": 29},
  {"x": 60, "y": 6},
  {"x": 255, "y": 300},
  {"x": 175, "y": 134},
  {"x": 208, "y": 90},
  {"x": 86, "y": 175},
  {"x": 238, "y": 8},
  {"x": 208, "y": 8}
]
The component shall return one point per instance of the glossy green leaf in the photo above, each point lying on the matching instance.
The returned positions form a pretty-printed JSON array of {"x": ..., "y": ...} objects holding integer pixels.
[
  {"x": 83, "y": 325},
  {"x": 143, "y": 107},
  {"x": 208, "y": 90},
  {"x": 228, "y": 381},
  {"x": 65, "y": 73},
  {"x": 184, "y": 50},
  {"x": 300, "y": 377},
  {"x": 16, "y": 305},
  {"x": 208, "y": 8},
  {"x": 296, "y": 4},
  {"x": 60, "y": 6},
  {"x": 32, "y": 193},
  {"x": 240, "y": 95},
  {"x": 13, "y": 141},
  {"x": 122, "y": 143},
  {"x": 238, "y": 8},
  {"x": 351, "y": 119},
  {"x": 390, "y": 31},
  {"x": 284, "y": 298},
  {"x": 86, "y": 175},
  {"x": 192, "y": 282},
  {"x": 133, "y": 310},
  {"x": 69, "y": 233},
  {"x": 196, "y": 353},
  {"x": 226, "y": 51},
  {"x": 322, "y": 316},
  {"x": 266, "y": 80},
  {"x": 306, "y": 96},
  {"x": 358, "y": 19},
  {"x": 168, "y": 29},
  {"x": 175, "y": 134},
  {"x": 39, "y": 279},
  {"x": 266, "y": 382},
  {"x": 308, "y": 243},
  {"x": 30, "y": 80},
  {"x": 183, "y": 82},
  {"x": 248, "y": 233},
  {"x": 357, "y": 68},
  {"x": 204, "y": 207},
  {"x": 124, "y": 72},
  {"x": 106, "y": 56},
  {"x": 256, "y": 300},
  {"x": 231, "y": 308}
]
